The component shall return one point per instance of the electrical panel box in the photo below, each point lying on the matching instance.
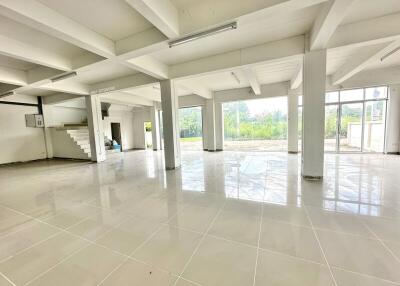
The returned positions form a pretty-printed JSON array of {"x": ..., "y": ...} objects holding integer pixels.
[{"x": 34, "y": 120}]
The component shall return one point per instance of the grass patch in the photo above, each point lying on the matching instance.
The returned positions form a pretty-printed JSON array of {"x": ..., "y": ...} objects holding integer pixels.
[{"x": 191, "y": 139}]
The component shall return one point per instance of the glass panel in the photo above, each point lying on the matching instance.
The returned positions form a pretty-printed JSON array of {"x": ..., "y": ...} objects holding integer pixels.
[
  {"x": 374, "y": 128},
  {"x": 331, "y": 118},
  {"x": 351, "y": 95},
  {"x": 190, "y": 123},
  {"x": 300, "y": 101},
  {"x": 332, "y": 97},
  {"x": 376, "y": 92},
  {"x": 351, "y": 127},
  {"x": 256, "y": 125}
]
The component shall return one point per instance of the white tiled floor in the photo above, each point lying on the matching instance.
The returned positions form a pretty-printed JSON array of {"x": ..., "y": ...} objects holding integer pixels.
[{"x": 226, "y": 218}]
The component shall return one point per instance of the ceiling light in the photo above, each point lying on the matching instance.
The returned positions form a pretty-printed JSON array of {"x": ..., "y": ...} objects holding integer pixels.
[
  {"x": 235, "y": 77},
  {"x": 199, "y": 35},
  {"x": 390, "y": 53},
  {"x": 64, "y": 76},
  {"x": 8, "y": 93}
]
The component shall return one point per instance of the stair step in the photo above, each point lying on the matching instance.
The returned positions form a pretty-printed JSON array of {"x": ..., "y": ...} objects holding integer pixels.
[
  {"x": 78, "y": 131},
  {"x": 84, "y": 146},
  {"x": 82, "y": 142}
]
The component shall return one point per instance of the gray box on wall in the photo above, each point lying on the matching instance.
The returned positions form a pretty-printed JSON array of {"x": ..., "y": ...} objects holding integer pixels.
[{"x": 34, "y": 120}]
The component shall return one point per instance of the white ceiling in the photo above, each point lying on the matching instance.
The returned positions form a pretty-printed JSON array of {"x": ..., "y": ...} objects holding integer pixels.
[
  {"x": 36, "y": 38},
  {"x": 368, "y": 9},
  {"x": 104, "y": 72},
  {"x": 15, "y": 63},
  {"x": 271, "y": 29},
  {"x": 114, "y": 19}
]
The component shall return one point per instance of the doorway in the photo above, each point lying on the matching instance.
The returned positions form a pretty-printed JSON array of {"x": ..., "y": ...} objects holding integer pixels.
[
  {"x": 148, "y": 137},
  {"x": 116, "y": 133}
]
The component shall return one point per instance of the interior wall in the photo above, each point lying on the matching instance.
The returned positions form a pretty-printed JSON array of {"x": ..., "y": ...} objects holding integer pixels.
[
  {"x": 60, "y": 115},
  {"x": 125, "y": 118},
  {"x": 139, "y": 118},
  {"x": 18, "y": 142}
]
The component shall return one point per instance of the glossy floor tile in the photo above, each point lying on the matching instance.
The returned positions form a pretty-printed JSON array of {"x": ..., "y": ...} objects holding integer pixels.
[
  {"x": 30, "y": 263},
  {"x": 360, "y": 254},
  {"x": 87, "y": 267},
  {"x": 169, "y": 249},
  {"x": 280, "y": 270},
  {"x": 290, "y": 239},
  {"x": 136, "y": 273},
  {"x": 221, "y": 262},
  {"x": 225, "y": 218}
]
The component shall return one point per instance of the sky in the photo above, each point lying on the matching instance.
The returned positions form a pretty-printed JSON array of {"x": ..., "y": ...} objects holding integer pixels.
[{"x": 258, "y": 106}]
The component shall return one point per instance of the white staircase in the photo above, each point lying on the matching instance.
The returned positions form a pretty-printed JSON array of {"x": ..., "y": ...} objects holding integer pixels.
[{"x": 81, "y": 138}]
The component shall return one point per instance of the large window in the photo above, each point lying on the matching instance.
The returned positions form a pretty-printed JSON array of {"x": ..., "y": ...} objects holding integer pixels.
[
  {"x": 256, "y": 125},
  {"x": 190, "y": 122},
  {"x": 355, "y": 120}
]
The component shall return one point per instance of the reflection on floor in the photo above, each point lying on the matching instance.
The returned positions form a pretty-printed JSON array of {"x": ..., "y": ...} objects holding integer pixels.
[
  {"x": 255, "y": 145},
  {"x": 224, "y": 218}
]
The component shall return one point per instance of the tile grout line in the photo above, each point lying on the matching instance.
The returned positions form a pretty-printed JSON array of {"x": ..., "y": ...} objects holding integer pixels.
[
  {"x": 130, "y": 255},
  {"x": 381, "y": 241},
  {"x": 39, "y": 242},
  {"x": 320, "y": 246},
  {"x": 6, "y": 278},
  {"x": 75, "y": 235},
  {"x": 185, "y": 229},
  {"x": 367, "y": 275},
  {"x": 258, "y": 243},
  {"x": 200, "y": 242}
]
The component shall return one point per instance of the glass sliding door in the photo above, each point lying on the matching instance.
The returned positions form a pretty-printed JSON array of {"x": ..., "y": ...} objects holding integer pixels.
[
  {"x": 351, "y": 127},
  {"x": 374, "y": 126},
  {"x": 331, "y": 121}
]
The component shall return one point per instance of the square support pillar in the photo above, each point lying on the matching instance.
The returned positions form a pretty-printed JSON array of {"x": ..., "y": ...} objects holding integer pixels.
[
  {"x": 95, "y": 126},
  {"x": 210, "y": 125},
  {"x": 314, "y": 77},
  {"x": 293, "y": 127},
  {"x": 48, "y": 119},
  {"x": 169, "y": 103},
  {"x": 393, "y": 121},
  {"x": 219, "y": 126},
  {"x": 155, "y": 128}
]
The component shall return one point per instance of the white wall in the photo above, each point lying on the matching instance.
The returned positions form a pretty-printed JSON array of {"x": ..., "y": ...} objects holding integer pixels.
[
  {"x": 124, "y": 116},
  {"x": 18, "y": 142},
  {"x": 139, "y": 118},
  {"x": 59, "y": 115}
]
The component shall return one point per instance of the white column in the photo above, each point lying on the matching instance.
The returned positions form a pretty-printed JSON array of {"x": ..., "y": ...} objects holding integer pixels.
[
  {"x": 48, "y": 119},
  {"x": 155, "y": 128},
  {"x": 293, "y": 127},
  {"x": 393, "y": 121},
  {"x": 314, "y": 77},
  {"x": 95, "y": 126},
  {"x": 210, "y": 125},
  {"x": 219, "y": 126},
  {"x": 169, "y": 103}
]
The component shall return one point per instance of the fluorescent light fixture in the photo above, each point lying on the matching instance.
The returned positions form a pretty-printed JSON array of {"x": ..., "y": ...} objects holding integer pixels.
[
  {"x": 199, "y": 35},
  {"x": 390, "y": 53},
  {"x": 63, "y": 76},
  {"x": 235, "y": 77},
  {"x": 8, "y": 93}
]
